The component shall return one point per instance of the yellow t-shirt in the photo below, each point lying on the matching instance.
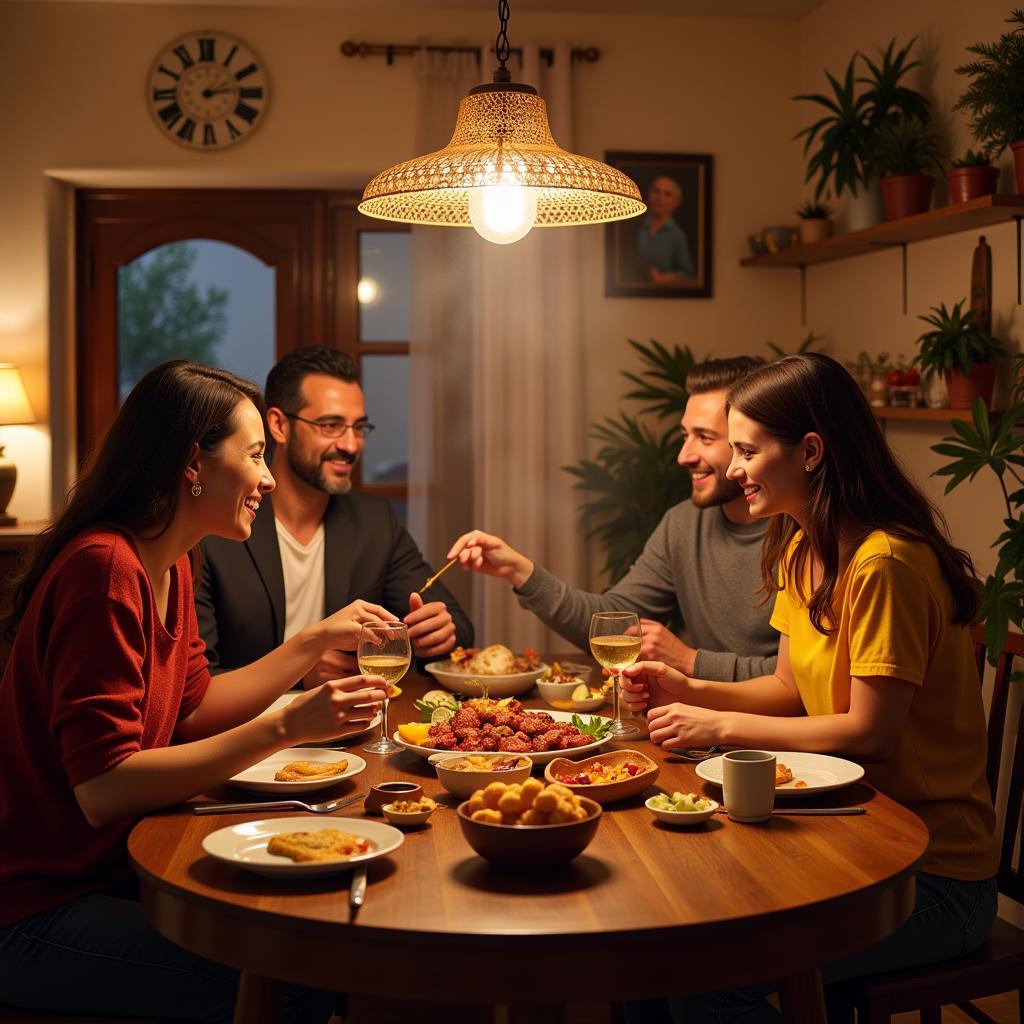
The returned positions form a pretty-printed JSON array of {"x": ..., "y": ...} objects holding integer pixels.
[{"x": 894, "y": 611}]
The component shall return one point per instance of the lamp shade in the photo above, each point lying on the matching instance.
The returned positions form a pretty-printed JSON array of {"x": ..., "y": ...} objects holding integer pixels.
[
  {"x": 502, "y": 138},
  {"x": 14, "y": 407}
]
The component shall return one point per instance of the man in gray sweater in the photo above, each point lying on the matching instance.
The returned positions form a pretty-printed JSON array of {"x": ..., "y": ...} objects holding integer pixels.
[{"x": 704, "y": 559}]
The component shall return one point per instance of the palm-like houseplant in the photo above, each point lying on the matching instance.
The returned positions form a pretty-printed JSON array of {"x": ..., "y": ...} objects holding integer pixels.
[
  {"x": 634, "y": 478},
  {"x": 995, "y": 97},
  {"x": 903, "y": 152},
  {"x": 959, "y": 350}
]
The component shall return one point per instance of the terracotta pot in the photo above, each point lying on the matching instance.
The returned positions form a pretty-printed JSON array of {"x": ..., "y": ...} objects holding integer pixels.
[
  {"x": 815, "y": 229},
  {"x": 978, "y": 384},
  {"x": 967, "y": 183},
  {"x": 1018, "y": 164},
  {"x": 903, "y": 195}
]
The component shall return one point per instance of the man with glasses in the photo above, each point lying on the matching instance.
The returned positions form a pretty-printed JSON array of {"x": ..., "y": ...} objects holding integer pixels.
[{"x": 316, "y": 544}]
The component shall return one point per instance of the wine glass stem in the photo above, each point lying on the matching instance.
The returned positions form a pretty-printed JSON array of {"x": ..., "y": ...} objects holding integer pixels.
[
  {"x": 384, "y": 722},
  {"x": 616, "y": 693}
]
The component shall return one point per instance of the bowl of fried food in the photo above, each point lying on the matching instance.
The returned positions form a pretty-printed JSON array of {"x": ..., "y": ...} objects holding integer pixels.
[
  {"x": 405, "y": 813},
  {"x": 681, "y": 808},
  {"x": 528, "y": 826},
  {"x": 565, "y": 687},
  {"x": 463, "y": 774},
  {"x": 606, "y": 778}
]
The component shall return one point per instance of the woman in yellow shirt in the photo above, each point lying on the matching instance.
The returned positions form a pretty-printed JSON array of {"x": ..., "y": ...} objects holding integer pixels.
[{"x": 873, "y": 607}]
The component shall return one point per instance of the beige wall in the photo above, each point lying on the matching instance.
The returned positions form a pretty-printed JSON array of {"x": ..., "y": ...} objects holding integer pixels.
[{"x": 72, "y": 77}]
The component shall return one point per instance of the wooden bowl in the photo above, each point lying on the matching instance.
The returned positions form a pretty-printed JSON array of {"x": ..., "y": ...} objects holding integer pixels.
[
  {"x": 606, "y": 792},
  {"x": 530, "y": 847}
]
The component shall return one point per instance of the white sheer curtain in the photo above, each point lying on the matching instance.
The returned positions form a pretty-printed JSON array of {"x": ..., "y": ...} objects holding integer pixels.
[{"x": 497, "y": 374}]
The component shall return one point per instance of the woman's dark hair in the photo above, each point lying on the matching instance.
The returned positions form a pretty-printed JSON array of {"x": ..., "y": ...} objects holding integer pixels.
[
  {"x": 132, "y": 479},
  {"x": 858, "y": 478}
]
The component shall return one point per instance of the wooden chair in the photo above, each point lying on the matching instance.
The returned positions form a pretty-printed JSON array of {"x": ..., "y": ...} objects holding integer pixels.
[{"x": 998, "y": 966}]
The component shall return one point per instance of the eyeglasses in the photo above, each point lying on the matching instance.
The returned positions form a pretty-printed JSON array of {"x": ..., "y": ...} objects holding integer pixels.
[{"x": 335, "y": 428}]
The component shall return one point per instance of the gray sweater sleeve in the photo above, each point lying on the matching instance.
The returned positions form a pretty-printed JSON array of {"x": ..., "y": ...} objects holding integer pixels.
[
  {"x": 647, "y": 589},
  {"x": 729, "y": 668}
]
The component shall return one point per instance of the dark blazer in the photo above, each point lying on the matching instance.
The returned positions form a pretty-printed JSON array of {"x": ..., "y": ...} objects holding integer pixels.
[{"x": 368, "y": 554}]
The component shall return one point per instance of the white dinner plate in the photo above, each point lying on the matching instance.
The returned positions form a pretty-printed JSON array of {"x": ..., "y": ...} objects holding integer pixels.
[
  {"x": 537, "y": 758},
  {"x": 286, "y": 698},
  {"x": 821, "y": 772},
  {"x": 245, "y": 844},
  {"x": 474, "y": 685},
  {"x": 260, "y": 777}
]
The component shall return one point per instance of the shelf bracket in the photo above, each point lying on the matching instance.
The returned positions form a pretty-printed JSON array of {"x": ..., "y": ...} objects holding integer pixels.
[
  {"x": 1018, "y": 219},
  {"x": 803, "y": 283},
  {"x": 903, "y": 247}
]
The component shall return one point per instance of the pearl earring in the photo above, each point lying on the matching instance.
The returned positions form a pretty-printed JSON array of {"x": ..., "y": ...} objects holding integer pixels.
[
  {"x": 197, "y": 489},
  {"x": 807, "y": 469}
]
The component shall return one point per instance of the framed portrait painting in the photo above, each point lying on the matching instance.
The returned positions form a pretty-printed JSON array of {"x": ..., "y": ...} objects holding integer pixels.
[{"x": 666, "y": 252}]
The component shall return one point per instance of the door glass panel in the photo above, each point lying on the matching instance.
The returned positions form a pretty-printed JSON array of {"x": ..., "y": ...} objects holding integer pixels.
[
  {"x": 200, "y": 300},
  {"x": 386, "y": 386},
  {"x": 384, "y": 290}
]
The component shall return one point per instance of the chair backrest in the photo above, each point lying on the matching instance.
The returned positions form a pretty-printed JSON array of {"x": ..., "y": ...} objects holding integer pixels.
[{"x": 1011, "y": 877}]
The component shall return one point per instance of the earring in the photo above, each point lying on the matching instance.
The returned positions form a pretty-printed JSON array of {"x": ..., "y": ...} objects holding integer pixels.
[
  {"x": 197, "y": 489},
  {"x": 807, "y": 469}
]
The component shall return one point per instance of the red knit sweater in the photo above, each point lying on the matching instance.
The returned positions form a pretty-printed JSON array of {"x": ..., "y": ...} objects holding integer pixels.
[{"x": 93, "y": 677}]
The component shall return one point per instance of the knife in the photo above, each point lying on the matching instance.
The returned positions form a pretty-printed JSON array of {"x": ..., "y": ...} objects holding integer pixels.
[
  {"x": 811, "y": 810},
  {"x": 357, "y": 894}
]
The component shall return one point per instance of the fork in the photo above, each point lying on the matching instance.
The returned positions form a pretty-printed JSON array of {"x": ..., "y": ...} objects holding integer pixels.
[
  {"x": 326, "y": 807},
  {"x": 695, "y": 755}
]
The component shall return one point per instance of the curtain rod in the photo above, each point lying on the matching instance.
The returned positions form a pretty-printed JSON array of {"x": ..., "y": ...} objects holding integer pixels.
[{"x": 390, "y": 51}]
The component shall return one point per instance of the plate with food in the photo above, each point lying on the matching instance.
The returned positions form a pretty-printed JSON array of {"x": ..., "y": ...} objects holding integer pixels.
[
  {"x": 495, "y": 671},
  {"x": 300, "y": 847},
  {"x": 483, "y": 725},
  {"x": 286, "y": 698},
  {"x": 796, "y": 773},
  {"x": 299, "y": 770}
]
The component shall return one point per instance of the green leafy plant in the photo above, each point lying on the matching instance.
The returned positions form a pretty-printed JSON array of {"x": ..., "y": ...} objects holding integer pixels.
[
  {"x": 634, "y": 478},
  {"x": 999, "y": 447},
  {"x": 807, "y": 345},
  {"x": 956, "y": 343},
  {"x": 905, "y": 145},
  {"x": 995, "y": 97},
  {"x": 886, "y": 97},
  {"x": 594, "y": 726},
  {"x": 971, "y": 159},
  {"x": 814, "y": 210}
]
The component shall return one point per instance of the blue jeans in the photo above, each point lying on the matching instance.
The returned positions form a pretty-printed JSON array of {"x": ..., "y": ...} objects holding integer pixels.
[
  {"x": 950, "y": 918},
  {"x": 98, "y": 954}
]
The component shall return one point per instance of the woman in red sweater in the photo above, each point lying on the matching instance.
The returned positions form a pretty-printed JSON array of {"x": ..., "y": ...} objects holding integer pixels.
[{"x": 108, "y": 711}]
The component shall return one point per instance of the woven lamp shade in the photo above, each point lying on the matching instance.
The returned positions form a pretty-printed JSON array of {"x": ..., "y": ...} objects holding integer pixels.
[{"x": 502, "y": 138}]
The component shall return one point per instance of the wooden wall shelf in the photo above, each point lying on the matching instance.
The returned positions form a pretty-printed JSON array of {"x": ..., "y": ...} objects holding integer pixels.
[{"x": 978, "y": 213}]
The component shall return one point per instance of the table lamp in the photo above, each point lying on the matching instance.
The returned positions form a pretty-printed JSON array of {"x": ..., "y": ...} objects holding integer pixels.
[{"x": 14, "y": 408}]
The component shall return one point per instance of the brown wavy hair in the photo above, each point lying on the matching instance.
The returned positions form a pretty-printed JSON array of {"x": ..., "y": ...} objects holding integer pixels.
[
  {"x": 858, "y": 478},
  {"x": 132, "y": 479}
]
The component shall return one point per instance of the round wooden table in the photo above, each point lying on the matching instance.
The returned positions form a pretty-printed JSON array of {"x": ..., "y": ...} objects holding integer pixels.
[{"x": 646, "y": 911}]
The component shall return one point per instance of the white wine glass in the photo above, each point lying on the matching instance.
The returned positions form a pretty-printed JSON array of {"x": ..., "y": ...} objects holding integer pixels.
[
  {"x": 384, "y": 650},
  {"x": 614, "y": 647}
]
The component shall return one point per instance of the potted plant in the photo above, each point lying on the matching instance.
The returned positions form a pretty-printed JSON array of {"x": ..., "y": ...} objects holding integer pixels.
[
  {"x": 957, "y": 349},
  {"x": 815, "y": 223},
  {"x": 971, "y": 176},
  {"x": 995, "y": 98},
  {"x": 902, "y": 153}
]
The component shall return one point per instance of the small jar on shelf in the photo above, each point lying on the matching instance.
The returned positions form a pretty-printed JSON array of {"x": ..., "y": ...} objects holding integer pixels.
[
  {"x": 904, "y": 386},
  {"x": 878, "y": 385}
]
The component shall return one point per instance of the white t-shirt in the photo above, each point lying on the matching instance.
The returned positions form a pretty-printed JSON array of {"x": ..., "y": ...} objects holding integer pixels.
[{"x": 303, "y": 566}]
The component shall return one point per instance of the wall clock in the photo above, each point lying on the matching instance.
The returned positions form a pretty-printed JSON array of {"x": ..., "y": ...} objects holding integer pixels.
[{"x": 207, "y": 91}]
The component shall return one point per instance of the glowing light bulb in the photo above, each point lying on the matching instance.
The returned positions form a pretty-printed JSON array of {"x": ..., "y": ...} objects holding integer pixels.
[
  {"x": 367, "y": 291},
  {"x": 502, "y": 213}
]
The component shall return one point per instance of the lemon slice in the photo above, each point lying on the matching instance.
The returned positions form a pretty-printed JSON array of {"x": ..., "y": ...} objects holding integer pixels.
[
  {"x": 582, "y": 692},
  {"x": 394, "y": 691},
  {"x": 440, "y": 715}
]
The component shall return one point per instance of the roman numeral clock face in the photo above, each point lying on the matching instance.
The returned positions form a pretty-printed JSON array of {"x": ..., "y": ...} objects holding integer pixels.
[{"x": 207, "y": 91}]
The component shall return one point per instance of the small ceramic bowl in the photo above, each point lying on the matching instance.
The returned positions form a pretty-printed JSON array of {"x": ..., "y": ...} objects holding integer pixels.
[
  {"x": 683, "y": 818},
  {"x": 407, "y": 818},
  {"x": 559, "y": 695},
  {"x": 777, "y": 238},
  {"x": 386, "y": 792},
  {"x": 463, "y": 783}
]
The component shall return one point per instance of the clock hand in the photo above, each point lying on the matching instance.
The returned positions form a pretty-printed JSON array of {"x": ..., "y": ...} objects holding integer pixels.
[{"x": 207, "y": 93}]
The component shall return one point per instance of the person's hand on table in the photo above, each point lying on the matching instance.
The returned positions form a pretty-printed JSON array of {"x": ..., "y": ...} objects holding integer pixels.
[
  {"x": 659, "y": 643},
  {"x": 491, "y": 556},
  {"x": 685, "y": 725},
  {"x": 650, "y": 684},
  {"x": 431, "y": 627},
  {"x": 337, "y": 708}
]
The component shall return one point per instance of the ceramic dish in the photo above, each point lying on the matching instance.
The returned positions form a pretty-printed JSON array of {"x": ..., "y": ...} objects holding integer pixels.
[
  {"x": 535, "y": 756},
  {"x": 286, "y": 698},
  {"x": 559, "y": 695},
  {"x": 407, "y": 819},
  {"x": 820, "y": 772},
  {"x": 684, "y": 818},
  {"x": 466, "y": 783},
  {"x": 606, "y": 792},
  {"x": 260, "y": 777},
  {"x": 245, "y": 844},
  {"x": 474, "y": 686}
]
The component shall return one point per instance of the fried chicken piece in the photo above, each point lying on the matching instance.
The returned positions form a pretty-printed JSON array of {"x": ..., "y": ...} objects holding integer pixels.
[
  {"x": 327, "y": 844},
  {"x": 306, "y": 771},
  {"x": 782, "y": 774}
]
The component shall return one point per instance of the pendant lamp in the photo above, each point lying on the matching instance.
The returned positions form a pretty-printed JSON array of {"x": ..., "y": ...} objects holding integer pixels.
[{"x": 502, "y": 172}]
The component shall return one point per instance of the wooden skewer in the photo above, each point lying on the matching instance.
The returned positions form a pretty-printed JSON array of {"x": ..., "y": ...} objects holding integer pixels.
[{"x": 437, "y": 574}]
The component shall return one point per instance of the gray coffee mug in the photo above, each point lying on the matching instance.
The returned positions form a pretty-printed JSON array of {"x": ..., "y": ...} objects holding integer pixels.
[{"x": 748, "y": 784}]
